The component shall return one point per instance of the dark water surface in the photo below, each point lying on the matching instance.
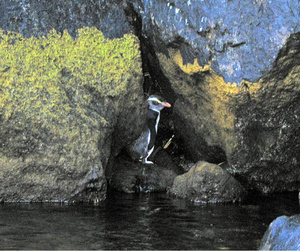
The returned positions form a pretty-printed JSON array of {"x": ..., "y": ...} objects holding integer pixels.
[{"x": 154, "y": 221}]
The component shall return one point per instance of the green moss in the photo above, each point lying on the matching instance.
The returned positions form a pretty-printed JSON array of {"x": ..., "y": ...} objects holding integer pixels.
[{"x": 47, "y": 80}]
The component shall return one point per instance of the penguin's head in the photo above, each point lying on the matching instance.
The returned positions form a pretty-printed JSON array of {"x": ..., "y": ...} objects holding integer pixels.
[{"x": 157, "y": 103}]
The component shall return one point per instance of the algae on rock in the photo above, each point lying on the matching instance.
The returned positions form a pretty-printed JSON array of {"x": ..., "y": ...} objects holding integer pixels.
[{"x": 60, "y": 101}]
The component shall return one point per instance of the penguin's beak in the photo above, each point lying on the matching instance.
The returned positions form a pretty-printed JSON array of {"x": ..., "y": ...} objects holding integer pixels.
[{"x": 166, "y": 104}]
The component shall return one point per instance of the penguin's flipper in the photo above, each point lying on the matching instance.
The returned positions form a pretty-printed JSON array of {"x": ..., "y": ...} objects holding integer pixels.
[{"x": 139, "y": 148}]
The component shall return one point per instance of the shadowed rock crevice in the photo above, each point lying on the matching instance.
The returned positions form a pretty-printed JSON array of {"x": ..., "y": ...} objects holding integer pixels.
[
  {"x": 218, "y": 121},
  {"x": 267, "y": 126},
  {"x": 172, "y": 120},
  {"x": 154, "y": 79}
]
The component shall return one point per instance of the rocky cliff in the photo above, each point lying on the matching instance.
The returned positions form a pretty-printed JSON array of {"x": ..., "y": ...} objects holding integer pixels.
[
  {"x": 72, "y": 98},
  {"x": 63, "y": 101},
  {"x": 234, "y": 67}
]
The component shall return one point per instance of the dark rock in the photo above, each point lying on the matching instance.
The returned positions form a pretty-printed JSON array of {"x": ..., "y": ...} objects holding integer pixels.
[
  {"x": 282, "y": 234},
  {"x": 235, "y": 71},
  {"x": 131, "y": 177},
  {"x": 207, "y": 183},
  {"x": 241, "y": 39},
  {"x": 163, "y": 159},
  {"x": 37, "y": 18},
  {"x": 267, "y": 127},
  {"x": 188, "y": 125}
]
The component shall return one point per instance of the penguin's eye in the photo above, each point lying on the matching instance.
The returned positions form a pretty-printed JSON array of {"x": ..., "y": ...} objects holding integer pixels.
[{"x": 155, "y": 103}]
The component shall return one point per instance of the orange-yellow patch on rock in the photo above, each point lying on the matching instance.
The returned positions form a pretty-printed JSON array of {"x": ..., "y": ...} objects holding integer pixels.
[
  {"x": 188, "y": 68},
  {"x": 213, "y": 99}
]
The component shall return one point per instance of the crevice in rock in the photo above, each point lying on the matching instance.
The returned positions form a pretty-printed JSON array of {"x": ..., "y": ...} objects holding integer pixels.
[
  {"x": 155, "y": 82},
  {"x": 154, "y": 79}
]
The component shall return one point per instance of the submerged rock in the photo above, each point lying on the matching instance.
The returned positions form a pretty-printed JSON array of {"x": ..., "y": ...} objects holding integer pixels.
[
  {"x": 207, "y": 183},
  {"x": 282, "y": 234}
]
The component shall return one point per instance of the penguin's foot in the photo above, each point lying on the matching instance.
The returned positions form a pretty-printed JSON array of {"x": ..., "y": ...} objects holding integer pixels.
[{"x": 147, "y": 162}]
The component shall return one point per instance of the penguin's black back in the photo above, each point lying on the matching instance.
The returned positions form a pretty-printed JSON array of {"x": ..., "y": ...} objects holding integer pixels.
[{"x": 151, "y": 123}]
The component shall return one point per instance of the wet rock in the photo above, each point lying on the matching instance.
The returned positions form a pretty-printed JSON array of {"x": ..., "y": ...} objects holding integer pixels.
[
  {"x": 207, "y": 183},
  {"x": 282, "y": 234},
  {"x": 132, "y": 177}
]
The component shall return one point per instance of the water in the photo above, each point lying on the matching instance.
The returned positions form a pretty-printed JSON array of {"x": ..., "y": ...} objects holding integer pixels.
[{"x": 153, "y": 221}]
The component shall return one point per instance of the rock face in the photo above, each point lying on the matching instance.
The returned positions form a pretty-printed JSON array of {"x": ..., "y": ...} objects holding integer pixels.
[
  {"x": 207, "y": 183},
  {"x": 282, "y": 234},
  {"x": 61, "y": 102},
  {"x": 234, "y": 69},
  {"x": 240, "y": 39},
  {"x": 37, "y": 18},
  {"x": 267, "y": 126}
]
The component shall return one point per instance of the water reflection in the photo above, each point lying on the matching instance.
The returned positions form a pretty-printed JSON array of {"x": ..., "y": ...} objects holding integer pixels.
[{"x": 153, "y": 221}]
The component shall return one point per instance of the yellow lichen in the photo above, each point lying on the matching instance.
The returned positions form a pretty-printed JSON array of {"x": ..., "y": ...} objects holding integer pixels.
[
  {"x": 47, "y": 80},
  {"x": 60, "y": 100},
  {"x": 188, "y": 68},
  {"x": 215, "y": 99}
]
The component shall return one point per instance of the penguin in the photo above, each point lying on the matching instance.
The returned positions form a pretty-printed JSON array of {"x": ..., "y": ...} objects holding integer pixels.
[{"x": 143, "y": 147}]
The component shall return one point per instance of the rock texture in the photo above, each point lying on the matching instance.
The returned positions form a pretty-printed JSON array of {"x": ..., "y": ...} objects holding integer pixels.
[
  {"x": 240, "y": 39},
  {"x": 37, "y": 18},
  {"x": 130, "y": 177},
  {"x": 267, "y": 126},
  {"x": 207, "y": 183},
  {"x": 63, "y": 103},
  {"x": 234, "y": 69},
  {"x": 282, "y": 234}
]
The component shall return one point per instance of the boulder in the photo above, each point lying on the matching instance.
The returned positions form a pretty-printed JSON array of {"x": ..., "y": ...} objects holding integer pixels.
[
  {"x": 61, "y": 102},
  {"x": 282, "y": 234},
  {"x": 207, "y": 183},
  {"x": 133, "y": 177}
]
